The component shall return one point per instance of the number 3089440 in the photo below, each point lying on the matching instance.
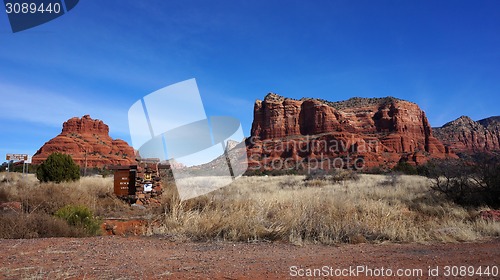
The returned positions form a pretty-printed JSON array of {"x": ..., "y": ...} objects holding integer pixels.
[{"x": 32, "y": 8}]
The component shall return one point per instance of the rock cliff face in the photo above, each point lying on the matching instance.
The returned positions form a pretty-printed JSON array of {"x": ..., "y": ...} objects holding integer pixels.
[
  {"x": 365, "y": 132},
  {"x": 465, "y": 136},
  {"x": 88, "y": 142}
]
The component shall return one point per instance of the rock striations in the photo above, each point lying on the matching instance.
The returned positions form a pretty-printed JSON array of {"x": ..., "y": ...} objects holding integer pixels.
[
  {"x": 465, "y": 136},
  {"x": 309, "y": 134},
  {"x": 367, "y": 132},
  {"x": 88, "y": 142}
]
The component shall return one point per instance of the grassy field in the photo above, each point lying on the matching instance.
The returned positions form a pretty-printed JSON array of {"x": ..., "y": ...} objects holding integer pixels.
[{"x": 373, "y": 208}]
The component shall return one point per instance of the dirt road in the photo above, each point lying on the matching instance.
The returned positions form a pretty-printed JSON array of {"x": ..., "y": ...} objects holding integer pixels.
[{"x": 114, "y": 257}]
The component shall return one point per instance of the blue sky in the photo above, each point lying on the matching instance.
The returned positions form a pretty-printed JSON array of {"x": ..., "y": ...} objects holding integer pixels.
[{"x": 104, "y": 55}]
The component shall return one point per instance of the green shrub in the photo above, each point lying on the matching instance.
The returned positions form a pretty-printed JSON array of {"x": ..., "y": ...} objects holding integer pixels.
[
  {"x": 405, "y": 168},
  {"x": 58, "y": 168},
  {"x": 4, "y": 167},
  {"x": 375, "y": 170},
  {"x": 81, "y": 217}
]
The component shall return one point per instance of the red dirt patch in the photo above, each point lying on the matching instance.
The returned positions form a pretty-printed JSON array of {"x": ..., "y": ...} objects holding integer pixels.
[
  {"x": 124, "y": 227},
  {"x": 114, "y": 257}
]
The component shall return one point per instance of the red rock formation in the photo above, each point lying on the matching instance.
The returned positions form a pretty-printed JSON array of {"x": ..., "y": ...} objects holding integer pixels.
[
  {"x": 360, "y": 131},
  {"x": 88, "y": 142},
  {"x": 465, "y": 136}
]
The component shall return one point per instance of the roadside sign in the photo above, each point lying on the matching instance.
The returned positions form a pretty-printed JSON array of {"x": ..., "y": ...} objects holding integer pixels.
[
  {"x": 19, "y": 157},
  {"x": 16, "y": 157}
]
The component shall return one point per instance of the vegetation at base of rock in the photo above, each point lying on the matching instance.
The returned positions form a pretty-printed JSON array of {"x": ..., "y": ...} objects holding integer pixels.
[
  {"x": 80, "y": 217},
  {"x": 58, "y": 168},
  {"x": 468, "y": 182},
  {"x": 371, "y": 208},
  {"x": 405, "y": 168}
]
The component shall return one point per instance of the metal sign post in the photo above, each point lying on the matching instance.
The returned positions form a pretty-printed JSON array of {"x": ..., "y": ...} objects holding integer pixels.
[{"x": 27, "y": 162}]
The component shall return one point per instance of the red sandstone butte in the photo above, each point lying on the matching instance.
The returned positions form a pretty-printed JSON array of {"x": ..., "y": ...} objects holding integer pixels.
[
  {"x": 87, "y": 141},
  {"x": 465, "y": 136},
  {"x": 368, "y": 131}
]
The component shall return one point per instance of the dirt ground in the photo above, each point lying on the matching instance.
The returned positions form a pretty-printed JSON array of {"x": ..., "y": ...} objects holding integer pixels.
[{"x": 114, "y": 257}]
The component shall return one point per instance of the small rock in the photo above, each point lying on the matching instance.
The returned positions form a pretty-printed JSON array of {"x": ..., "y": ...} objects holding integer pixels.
[
  {"x": 12, "y": 205},
  {"x": 490, "y": 215},
  {"x": 138, "y": 206}
]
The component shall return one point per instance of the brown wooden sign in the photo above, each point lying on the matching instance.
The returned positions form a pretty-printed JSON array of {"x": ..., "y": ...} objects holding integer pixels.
[{"x": 16, "y": 157}]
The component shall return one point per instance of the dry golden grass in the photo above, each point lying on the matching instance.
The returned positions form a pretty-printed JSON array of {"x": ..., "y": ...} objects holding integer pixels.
[
  {"x": 96, "y": 193},
  {"x": 375, "y": 208},
  {"x": 40, "y": 201}
]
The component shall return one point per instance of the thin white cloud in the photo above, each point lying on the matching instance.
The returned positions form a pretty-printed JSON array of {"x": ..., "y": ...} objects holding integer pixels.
[
  {"x": 37, "y": 105},
  {"x": 40, "y": 106}
]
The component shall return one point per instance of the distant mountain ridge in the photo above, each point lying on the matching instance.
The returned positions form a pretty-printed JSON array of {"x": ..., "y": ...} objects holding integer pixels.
[
  {"x": 466, "y": 136},
  {"x": 490, "y": 122}
]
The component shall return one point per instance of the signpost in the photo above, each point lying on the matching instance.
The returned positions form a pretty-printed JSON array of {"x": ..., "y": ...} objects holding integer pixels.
[{"x": 18, "y": 157}]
